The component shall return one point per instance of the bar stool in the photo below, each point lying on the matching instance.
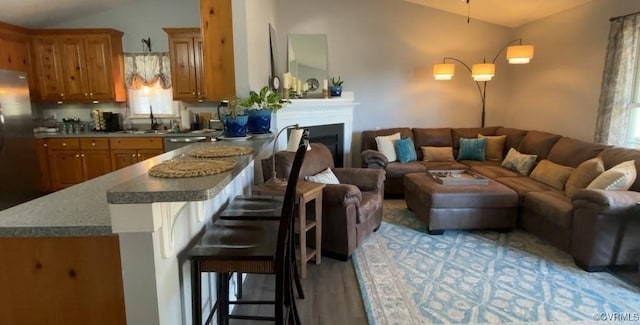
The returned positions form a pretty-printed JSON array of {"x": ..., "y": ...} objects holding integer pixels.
[{"x": 245, "y": 246}]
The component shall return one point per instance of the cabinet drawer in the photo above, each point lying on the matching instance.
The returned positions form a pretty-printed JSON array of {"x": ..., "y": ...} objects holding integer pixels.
[
  {"x": 136, "y": 143},
  {"x": 63, "y": 144},
  {"x": 94, "y": 143}
]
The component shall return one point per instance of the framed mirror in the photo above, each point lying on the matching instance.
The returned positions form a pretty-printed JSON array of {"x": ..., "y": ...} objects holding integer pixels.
[{"x": 307, "y": 59}]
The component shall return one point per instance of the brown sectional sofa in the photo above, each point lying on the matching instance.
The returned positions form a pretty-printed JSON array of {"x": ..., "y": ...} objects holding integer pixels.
[{"x": 599, "y": 228}]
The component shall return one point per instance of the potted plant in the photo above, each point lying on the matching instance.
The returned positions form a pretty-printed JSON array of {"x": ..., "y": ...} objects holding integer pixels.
[
  {"x": 336, "y": 87},
  {"x": 233, "y": 119},
  {"x": 259, "y": 106}
]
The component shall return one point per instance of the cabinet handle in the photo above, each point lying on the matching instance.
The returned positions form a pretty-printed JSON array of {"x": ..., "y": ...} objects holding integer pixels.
[
  {"x": 91, "y": 94},
  {"x": 64, "y": 144},
  {"x": 77, "y": 156},
  {"x": 133, "y": 155},
  {"x": 85, "y": 94},
  {"x": 45, "y": 145},
  {"x": 82, "y": 155},
  {"x": 193, "y": 93},
  {"x": 93, "y": 143},
  {"x": 61, "y": 95},
  {"x": 138, "y": 155}
]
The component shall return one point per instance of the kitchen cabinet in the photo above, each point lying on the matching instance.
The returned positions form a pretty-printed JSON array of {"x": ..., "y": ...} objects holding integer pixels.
[
  {"x": 80, "y": 65},
  {"x": 14, "y": 42},
  {"x": 185, "y": 54},
  {"x": 218, "y": 65},
  {"x": 128, "y": 151},
  {"x": 42, "y": 153},
  {"x": 75, "y": 160}
]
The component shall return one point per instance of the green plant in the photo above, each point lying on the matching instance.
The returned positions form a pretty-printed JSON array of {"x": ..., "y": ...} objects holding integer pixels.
[
  {"x": 336, "y": 82},
  {"x": 265, "y": 99}
]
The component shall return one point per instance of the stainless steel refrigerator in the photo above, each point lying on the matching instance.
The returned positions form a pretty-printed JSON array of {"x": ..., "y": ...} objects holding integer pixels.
[{"x": 19, "y": 172}]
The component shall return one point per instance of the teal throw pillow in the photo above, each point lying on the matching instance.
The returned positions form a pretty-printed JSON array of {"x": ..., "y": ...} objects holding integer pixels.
[
  {"x": 472, "y": 149},
  {"x": 405, "y": 150}
]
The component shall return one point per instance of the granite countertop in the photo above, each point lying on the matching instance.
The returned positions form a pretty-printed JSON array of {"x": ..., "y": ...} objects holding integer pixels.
[
  {"x": 121, "y": 134},
  {"x": 83, "y": 209}
]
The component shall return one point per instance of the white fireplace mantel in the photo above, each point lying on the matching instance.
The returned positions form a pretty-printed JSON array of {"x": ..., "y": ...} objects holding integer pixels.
[{"x": 318, "y": 111}]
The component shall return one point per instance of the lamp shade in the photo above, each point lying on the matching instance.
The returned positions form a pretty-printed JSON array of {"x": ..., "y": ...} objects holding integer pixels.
[
  {"x": 483, "y": 71},
  {"x": 519, "y": 54},
  {"x": 443, "y": 71}
]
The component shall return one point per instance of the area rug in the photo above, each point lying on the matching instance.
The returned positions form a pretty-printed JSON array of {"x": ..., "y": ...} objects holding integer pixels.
[{"x": 464, "y": 277}]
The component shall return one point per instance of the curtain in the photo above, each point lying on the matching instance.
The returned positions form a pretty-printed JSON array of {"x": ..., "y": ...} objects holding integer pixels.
[
  {"x": 147, "y": 69},
  {"x": 617, "y": 90}
]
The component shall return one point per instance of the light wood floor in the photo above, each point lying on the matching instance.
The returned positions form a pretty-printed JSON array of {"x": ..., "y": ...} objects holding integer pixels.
[{"x": 332, "y": 295}]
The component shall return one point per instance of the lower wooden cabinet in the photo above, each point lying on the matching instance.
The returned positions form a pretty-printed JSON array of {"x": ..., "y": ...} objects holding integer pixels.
[
  {"x": 75, "y": 160},
  {"x": 128, "y": 151},
  {"x": 42, "y": 153}
]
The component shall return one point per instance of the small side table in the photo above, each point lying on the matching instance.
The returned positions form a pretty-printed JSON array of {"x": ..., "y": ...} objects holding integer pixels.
[{"x": 306, "y": 192}]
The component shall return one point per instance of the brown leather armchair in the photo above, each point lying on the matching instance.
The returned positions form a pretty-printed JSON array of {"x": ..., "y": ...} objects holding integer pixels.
[{"x": 351, "y": 210}]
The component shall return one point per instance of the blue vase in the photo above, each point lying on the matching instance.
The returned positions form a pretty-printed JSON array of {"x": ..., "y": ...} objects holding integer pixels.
[
  {"x": 259, "y": 121},
  {"x": 235, "y": 126},
  {"x": 335, "y": 91}
]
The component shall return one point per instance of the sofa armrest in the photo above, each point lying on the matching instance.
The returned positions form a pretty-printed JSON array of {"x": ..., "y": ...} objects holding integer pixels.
[
  {"x": 366, "y": 179},
  {"x": 607, "y": 202},
  {"x": 373, "y": 159},
  {"x": 341, "y": 194}
]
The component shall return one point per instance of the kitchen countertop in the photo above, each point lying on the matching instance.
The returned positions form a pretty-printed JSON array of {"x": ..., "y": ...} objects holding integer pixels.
[
  {"x": 83, "y": 209},
  {"x": 121, "y": 134}
]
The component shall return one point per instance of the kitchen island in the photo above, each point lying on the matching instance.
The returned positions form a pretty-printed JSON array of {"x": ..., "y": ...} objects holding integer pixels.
[{"x": 110, "y": 248}]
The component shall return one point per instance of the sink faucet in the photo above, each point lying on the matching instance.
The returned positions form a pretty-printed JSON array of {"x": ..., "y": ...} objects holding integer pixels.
[{"x": 154, "y": 121}]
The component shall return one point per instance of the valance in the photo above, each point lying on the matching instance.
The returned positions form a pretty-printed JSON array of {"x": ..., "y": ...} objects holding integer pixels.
[{"x": 147, "y": 69}]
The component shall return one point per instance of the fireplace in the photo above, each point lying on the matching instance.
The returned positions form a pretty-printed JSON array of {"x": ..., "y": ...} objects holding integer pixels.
[{"x": 330, "y": 121}]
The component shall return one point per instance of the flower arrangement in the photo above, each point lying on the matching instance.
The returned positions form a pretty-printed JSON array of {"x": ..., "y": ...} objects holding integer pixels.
[{"x": 265, "y": 99}]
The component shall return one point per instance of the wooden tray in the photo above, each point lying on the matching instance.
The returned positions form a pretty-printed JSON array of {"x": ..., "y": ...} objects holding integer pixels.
[{"x": 458, "y": 177}]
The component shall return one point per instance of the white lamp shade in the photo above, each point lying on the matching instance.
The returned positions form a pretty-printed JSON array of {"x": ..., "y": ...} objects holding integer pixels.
[
  {"x": 294, "y": 140},
  {"x": 519, "y": 54},
  {"x": 483, "y": 71},
  {"x": 443, "y": 71}
]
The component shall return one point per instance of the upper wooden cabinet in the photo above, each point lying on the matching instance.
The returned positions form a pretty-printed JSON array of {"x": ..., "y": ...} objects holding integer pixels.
[
  {"x": 14, "y": 48},
  {"x": 185, "y": 53},
  {"x": 217, "y": 49},
  {"x": 79, "y": 65}
]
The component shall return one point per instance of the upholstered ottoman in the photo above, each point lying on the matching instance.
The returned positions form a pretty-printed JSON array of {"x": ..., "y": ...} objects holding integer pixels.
[{"x": 448, "y": 207}]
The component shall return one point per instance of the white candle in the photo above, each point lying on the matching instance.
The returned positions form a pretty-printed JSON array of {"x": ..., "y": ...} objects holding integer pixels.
[
  {"x": 305, "y": 87},
  {"x": 285, "y": 81},
  {"x": 294, "y": 140},
  {"x": 325, "y": 84},
  {"x": 300, "y": 85}
]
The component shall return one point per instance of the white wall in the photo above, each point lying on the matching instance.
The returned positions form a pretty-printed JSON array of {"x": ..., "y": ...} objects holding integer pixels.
[
  {"x": 142, "y": 19},
  {"x": 384, "y": 50},
  {"x": 559, "y": 91}
]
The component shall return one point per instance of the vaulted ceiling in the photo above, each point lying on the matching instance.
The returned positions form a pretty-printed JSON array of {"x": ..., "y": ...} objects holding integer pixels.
[{"x": 510, "y": 13}]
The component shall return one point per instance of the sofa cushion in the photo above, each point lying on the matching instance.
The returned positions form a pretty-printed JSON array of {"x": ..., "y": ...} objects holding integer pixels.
[
  {"x": 492, "y": 171},
  {"x": 514, "y": 137},
  {"x": 471, "y": 149},
  {"x": 431, "y": 137},
  {"x": 522, "y": 163},
  {"x": 368, "y": 138},
  {"x": 552, "y": 174},
  {"x": 437, "y": 153},
  {"x": 325, "y": 177},
  {"x": 554, "y": 206},
  {"x": 538, "y": 143},
  {"x": 495, "y": 146},
  {"x": 458, "y": 133},
  {"x": 584, "y": 174},
  {"x": 523, "y": 184},
  {"x": 571, "y": 152},
  {"x": 398, "y": 169},
  {"x": 386, "y": 145},
  {"x": 405, "y": 150},
  {"x": 614, "y": 156},
  {"x": 618, "y": 178}
]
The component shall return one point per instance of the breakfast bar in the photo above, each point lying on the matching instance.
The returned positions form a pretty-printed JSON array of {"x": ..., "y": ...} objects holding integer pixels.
[{"x": 111, "y": 248}]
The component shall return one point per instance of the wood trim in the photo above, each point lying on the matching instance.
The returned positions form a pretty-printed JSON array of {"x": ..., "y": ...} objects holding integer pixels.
[{"x": 78, "y": 31}]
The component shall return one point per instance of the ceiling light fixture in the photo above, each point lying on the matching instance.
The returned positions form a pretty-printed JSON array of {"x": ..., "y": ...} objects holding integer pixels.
[{"x": 516, "y": 54}]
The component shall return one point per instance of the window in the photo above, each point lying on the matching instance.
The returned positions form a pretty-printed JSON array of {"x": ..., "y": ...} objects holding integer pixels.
[{"x": 155, "y": 97}]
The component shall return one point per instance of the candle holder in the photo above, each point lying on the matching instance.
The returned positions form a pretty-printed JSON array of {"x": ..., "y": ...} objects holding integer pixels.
[{"x": 325, "y": 93}]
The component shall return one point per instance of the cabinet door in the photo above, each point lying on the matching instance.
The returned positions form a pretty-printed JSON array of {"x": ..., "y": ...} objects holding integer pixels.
[
  {"x": 76, "y": 83},
  {"x": 43, "y": 162},
  {"x": 66, "y": 168},
  {"x": 99, "y": 72},
  {"x": 144, "y": 154},
  {"x": 121, "y": 158},
  {"x": 14, "y": 55},
  {"x": 183, "y": 72},
  {"x": 49, "y": 68},
  {"x": 95, "y": 163},
  {"x": 217, "y": 49}
]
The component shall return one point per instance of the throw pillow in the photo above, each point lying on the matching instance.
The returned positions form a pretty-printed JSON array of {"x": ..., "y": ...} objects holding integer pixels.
[
  {"x": 437, "y": 153},
  {"x": 471, "y": 149},
  {"x": 552, "y": 174},
  {"x": 519, "y": 162},
  {"x": 405, "y": 150},
  {"x": 495, "y": 146},
  {"x": 619, "y": 178},
  {"x": 325, "y": 177},
  {"x": 386, "y": 146},
  {"x": 584, "y": 174}
]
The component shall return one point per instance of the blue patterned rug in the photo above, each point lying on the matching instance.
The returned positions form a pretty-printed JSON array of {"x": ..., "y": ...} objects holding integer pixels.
[{"x": 461, "y": 277}]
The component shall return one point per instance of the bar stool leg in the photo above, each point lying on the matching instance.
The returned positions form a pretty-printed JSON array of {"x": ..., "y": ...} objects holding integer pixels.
[
  {"x": 196, "y": 294},
  {"x": 239, "y": 285}
]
